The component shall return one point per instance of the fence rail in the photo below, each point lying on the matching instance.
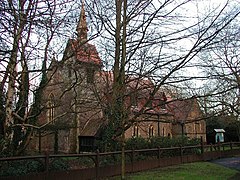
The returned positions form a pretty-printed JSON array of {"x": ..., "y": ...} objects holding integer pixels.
[{"x": 99, "y": 165}]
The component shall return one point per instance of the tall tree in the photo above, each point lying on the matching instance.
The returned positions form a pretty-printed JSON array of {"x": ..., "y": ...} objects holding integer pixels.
[
  {"x": 155, "y": 40},
  {"x": 28, "y": 28},
  {"x": 221, "y": 65}
]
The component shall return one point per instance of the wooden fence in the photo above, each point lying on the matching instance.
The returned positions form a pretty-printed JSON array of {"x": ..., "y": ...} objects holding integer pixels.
[{"x": 100, "y": 165}]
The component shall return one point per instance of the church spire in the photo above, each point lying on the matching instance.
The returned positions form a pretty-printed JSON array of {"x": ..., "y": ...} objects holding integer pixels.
[{"x": 82, "y": 25}]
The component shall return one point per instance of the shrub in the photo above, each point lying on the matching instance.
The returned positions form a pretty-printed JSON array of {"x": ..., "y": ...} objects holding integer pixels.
[
  {"x": 162, "y": 142},
  {"x": 165, "y": 142},
  {"x": 5, "y": 149},
  {"x": 58, "y": 164},
  {"x": 137, "y": 143},
  {"x": 17, "y": 168},
  {"x": 110, "y": 159}
]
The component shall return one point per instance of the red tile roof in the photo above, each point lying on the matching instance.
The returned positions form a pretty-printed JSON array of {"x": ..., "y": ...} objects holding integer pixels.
[
  {"x": 181, "y": 108},
  {"x": 140, "y": 87},
  {"x": 85, "y": 52},
  {"x": 93, "y": 127},
  {"x": 154, "y": 111}
]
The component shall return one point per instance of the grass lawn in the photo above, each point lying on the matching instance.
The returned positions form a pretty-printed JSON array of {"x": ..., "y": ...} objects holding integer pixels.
[{"x": 191, "y": 171}]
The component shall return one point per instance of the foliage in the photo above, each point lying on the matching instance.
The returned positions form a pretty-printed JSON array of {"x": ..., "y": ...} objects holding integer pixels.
[
  {"x": 110, "y": 159},
  {"x": 228, "y": 123},
  {"x": 58, "y": 164},
  {"x": 232, "y": 131},
  {"x": 137, "y": 143},
  {"x": 4, "y": 147},
  {"x": 85, "y": 162},
  {"x": 107, "y": 143},
  {"x": 23, "y": 167},
  {"x": 163, "y": 142},
  {"x": 142, "y": 143},
  {"x": 17, "y": 168}
]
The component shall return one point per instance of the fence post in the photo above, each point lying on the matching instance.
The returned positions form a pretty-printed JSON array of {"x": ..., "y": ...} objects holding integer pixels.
[
  {"x": 159, "y": 152},
  {"x": 97, "y": 164},
  {"x": 211, "y": 147},
  {"x": 39, "y": 142},
  {"x": 46, "y": 161},
  {"x": 132, "y": 158},
  {"x": 202, "y": 147},
  {"x": 181, "y": 154},
  {"x": 231, "y": 145},
  {"x": 219, "y": 146},
  {"x": 159, "y": 156}
]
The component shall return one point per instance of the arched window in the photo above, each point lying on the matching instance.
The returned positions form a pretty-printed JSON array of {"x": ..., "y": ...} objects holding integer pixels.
[
  {"x": 151, "y": 129},
  {"x": 133, "y": 99},
  {"x": 51, "y": 110},
  {"x": 135, "y": 130}
]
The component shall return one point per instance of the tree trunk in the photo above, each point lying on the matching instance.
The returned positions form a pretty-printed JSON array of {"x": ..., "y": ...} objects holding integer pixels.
[
  {"x": 11, "y": 91},
  {"x": 123, "y": 88},
  {"x": 11, "y": 69},
  {"x": 123, "y": 156}
]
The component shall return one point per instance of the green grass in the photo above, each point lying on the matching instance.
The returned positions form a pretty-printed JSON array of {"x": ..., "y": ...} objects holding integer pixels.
[{"x": 190, "y": 171}]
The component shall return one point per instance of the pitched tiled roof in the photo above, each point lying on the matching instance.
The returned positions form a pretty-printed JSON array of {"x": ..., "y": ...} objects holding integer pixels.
[
  {"x": 140, "y": 87},
  {"x": 93, "y": 127},
  {"x": 181, "y": 108},
  {"x": 154, "y": 111},
  {"x": 84, "y": 52}
]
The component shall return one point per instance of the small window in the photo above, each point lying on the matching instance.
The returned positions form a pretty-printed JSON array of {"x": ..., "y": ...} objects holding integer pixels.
[
  {"x": 133, "y": 99},
  {"x": 149, "y": 105},
  {"x": 151, "y": 129},
  {"x": 135, "y": 130},
  {"x": 90, "y": 75},
  {"x": 87, "y": 141},
  {"x": 51, "y": 110},
  {"x": 69, "y": 73}
]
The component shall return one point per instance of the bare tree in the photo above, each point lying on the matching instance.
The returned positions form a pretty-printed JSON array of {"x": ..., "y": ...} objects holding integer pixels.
[
  {"x": 154, "y": 40},
  {"x": 220, "y": 64},
  {"x": 28, "y": 28}
]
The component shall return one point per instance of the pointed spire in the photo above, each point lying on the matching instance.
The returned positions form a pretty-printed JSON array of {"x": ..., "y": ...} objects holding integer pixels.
[
  {"x": 82, "y": 25},
  {"x": 54, "y": 58},
  {"x": 54, "y": 61}
]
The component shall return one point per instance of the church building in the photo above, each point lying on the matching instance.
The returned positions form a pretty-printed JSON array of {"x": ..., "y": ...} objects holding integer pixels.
[{"x": 73, "y": 103}]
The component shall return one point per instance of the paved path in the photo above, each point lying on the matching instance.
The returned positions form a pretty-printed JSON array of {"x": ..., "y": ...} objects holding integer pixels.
[{"x": 233, "y": 162}]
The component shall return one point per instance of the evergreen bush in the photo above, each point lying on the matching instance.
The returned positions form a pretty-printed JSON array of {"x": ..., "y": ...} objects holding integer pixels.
[{"x": 23, "y": 167}]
